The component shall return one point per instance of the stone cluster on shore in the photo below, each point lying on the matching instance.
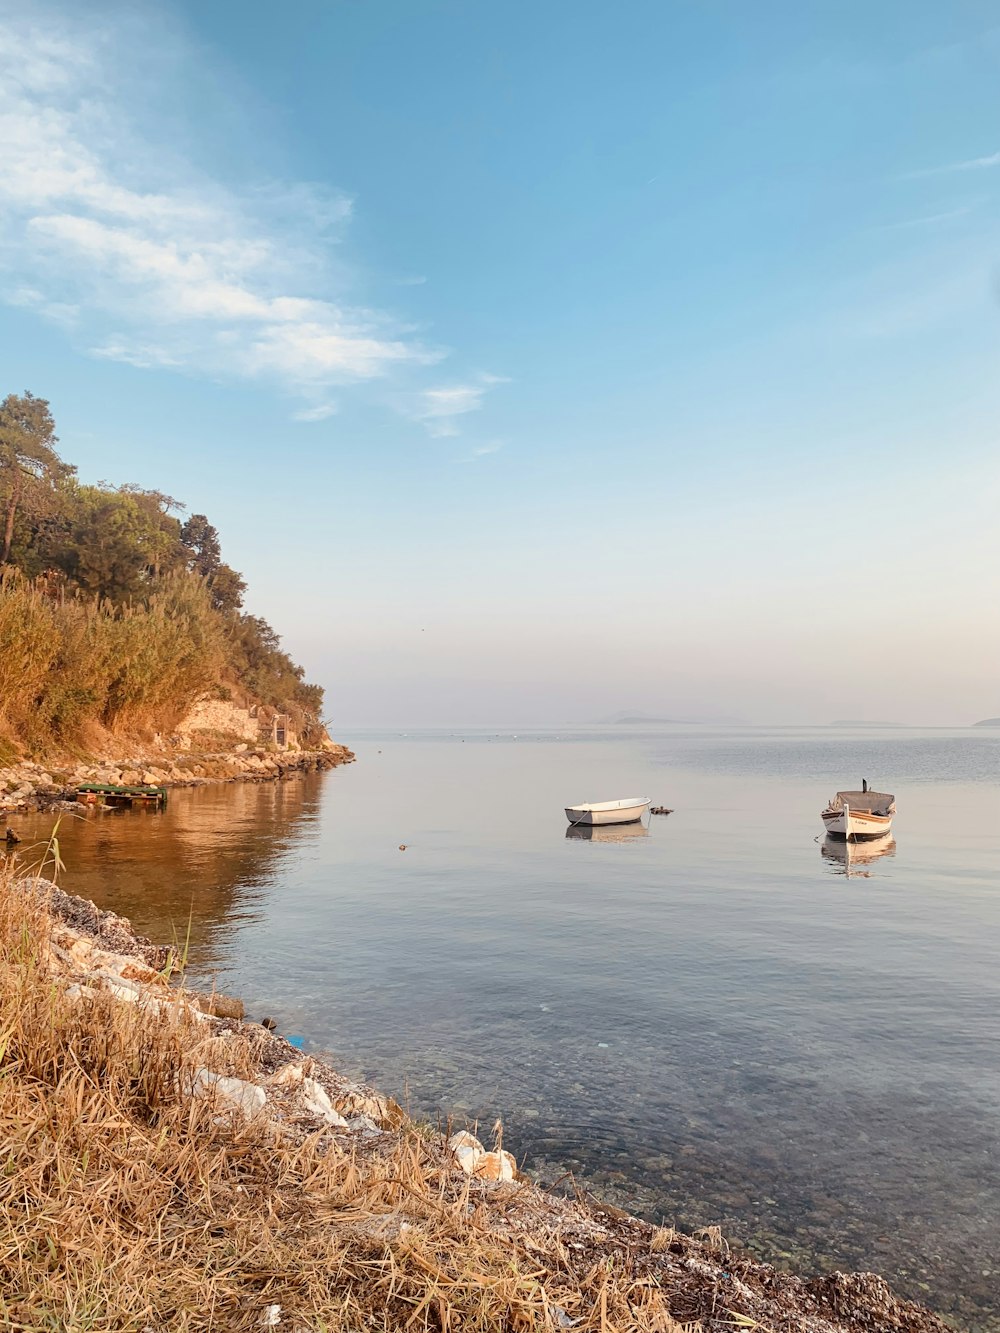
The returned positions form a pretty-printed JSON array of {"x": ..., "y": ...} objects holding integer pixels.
[
  {"x": 591, "y": 1265},
  {"x": 90, "y": 952},
  {"x": 32, "y": 786}
]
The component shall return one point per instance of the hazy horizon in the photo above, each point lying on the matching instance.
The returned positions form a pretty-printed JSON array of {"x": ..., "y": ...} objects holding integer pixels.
[
  {"x": 507, "y": 725},
  {"x": 532, "y": 361}
]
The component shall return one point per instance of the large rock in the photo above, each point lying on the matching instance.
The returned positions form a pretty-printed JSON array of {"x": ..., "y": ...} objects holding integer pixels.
[
  {"x": 288, "y": 1076},
  {"x": 217, "y": 1053},
  {"x": 317, "y": 1102},
  {"x": 466, "y": 1149},
  {"x": 246, "y": 1098},
  {"x": 355, "y": 1101},
  {"x": 474, "y": 1160},
  {"x": 219, "y": 1006},
  {"x": 313, "y": 1096},
  {"x": 496, "y": 1166}
]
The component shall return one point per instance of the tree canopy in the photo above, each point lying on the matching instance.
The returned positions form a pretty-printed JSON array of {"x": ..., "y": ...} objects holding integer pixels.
[
  {"x": 30, "y": 468},
  {"x": 123, "y": 548}
]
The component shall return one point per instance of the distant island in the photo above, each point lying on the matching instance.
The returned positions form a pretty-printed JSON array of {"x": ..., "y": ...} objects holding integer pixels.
[{"x": 988, "y": 722}]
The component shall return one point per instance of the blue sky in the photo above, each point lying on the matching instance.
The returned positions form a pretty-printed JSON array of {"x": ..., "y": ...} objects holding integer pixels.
[{"x": 538, "y": 360}]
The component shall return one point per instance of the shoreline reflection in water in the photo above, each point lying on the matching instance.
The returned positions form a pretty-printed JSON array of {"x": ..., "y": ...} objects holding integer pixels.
[{"x": 191, "y": 873}]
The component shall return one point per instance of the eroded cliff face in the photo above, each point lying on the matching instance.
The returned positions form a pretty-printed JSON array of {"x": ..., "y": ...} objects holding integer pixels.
[
  {"x": 223, "y": 717},
  {"x": 217, "y": 740},
  {"x": 211, "y": 719}
]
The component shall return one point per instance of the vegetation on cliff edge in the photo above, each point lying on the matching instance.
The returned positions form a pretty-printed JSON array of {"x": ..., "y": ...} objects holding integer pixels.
[{"x": 116, "y": 612}]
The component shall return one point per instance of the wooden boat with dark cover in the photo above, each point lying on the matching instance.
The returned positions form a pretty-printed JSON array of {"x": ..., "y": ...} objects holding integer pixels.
[{"x": 859, "y": 815}]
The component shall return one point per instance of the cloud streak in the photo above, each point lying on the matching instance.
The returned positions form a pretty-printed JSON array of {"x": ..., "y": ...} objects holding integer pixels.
[
  {"x": 926, "y": 220},
  {"x": 439, "y": 410},
  {"x": 482, "y": 451},
  {"x": 318, "y": 413},
  {"x": 147, "y": 260},
  {"x": 969, "y": 164}
]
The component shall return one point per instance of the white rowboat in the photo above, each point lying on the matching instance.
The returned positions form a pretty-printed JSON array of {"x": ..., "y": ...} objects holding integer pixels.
[
  {"x": 628, "y": 811},
  {"x": 859, "y": 815}
]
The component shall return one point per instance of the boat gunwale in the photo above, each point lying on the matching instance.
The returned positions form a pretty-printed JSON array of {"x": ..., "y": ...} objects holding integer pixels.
[
  {"x": 599, "y": 807},
  {"x": 831, "y": 813}
]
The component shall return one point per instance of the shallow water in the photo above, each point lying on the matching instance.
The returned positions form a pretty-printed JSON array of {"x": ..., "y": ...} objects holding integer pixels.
[{"x": 710, "y": 1021}]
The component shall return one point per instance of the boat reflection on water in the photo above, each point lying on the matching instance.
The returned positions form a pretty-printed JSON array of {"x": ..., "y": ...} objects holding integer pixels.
[
  {"x": 851, "y": 856},
  {"x": 607, "y": 832}
]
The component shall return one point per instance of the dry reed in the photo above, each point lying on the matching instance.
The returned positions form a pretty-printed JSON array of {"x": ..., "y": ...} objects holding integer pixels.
[
  {"x": 73, "y": 664},
  {"x": 130, "y": 1205}
]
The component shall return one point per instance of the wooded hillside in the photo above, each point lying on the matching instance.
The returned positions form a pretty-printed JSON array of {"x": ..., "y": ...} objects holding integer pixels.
[{"x": 116, "y": 610}]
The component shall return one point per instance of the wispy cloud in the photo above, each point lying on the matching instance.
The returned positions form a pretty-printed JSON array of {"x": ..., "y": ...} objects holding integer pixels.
[
  {"x": 917, "y": 294},
  {"x": 976, "y": 163},
  {"x": 481, "y": 451},
  {"x": 318, "y": 413},
  {"x": 144, "y": 356},
  {"x": 968, "y": 164},
  {"x": 926, "y": 220},
  {"x": 59, "y": 312},
  {"x": 439, "y": 409},
  {"x": 148, "y": 259}
]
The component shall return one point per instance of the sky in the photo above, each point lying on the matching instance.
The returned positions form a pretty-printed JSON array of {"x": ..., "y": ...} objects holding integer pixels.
[{"x": 538, "y": 361}]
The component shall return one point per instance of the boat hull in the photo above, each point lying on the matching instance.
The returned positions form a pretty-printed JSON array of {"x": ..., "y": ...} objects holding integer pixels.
[
  {"x": 608, "y": 812},
  {"x": 858, "y": 825}
]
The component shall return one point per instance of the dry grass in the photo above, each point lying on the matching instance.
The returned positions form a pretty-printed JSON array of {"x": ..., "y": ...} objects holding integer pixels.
[
  {"x": 66, "y": 666},
  {"x": 128, "y": 1205}
]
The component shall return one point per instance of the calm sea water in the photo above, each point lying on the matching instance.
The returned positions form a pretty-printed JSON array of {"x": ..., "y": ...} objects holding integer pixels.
[{"x": 712, "y": 1020}]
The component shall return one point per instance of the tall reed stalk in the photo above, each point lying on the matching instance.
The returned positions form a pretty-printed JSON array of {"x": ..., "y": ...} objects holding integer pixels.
[{"x": 66, "y": 666}]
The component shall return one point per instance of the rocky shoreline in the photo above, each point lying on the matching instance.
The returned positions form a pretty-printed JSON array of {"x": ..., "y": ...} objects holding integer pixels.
[
  {"x": 576, "y": 1262},
  {"x": 28, "y": 785}
]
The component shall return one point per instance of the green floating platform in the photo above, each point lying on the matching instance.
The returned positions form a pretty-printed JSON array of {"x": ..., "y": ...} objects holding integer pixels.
[{"x": 107, "y": 793}]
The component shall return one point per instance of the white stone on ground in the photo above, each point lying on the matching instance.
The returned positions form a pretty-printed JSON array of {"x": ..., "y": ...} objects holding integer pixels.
[
  {"x": 474, "y": 1160},
  {"x": 317, "y": 1101},
  {"x": 244, "y": 1097}
]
